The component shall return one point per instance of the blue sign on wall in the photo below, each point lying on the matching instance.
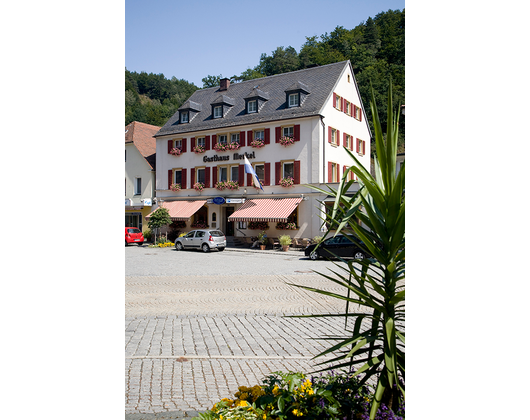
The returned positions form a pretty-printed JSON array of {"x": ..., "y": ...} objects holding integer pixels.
[{"x": 218, "y": 200}]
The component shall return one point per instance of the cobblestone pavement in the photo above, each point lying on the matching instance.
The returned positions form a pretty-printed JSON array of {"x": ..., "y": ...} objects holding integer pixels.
[{"x": 192, "y": 340}]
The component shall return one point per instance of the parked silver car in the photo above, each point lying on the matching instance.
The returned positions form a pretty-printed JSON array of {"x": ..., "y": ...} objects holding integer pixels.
[{"x": 204, "y": 239}]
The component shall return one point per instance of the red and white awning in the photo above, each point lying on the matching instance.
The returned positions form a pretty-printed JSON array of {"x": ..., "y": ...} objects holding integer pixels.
[
  {"x": 181, "y": 210},
  {"x": 265, "y": 210}
]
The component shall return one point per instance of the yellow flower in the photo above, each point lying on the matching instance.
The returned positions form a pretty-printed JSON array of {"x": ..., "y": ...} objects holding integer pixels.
[
  {"x": 297, "y": 413},
  {"x": 275, "y": 390}
]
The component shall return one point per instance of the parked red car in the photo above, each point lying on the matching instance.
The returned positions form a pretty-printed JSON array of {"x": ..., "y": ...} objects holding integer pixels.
[{"x": 133, "y": 236}]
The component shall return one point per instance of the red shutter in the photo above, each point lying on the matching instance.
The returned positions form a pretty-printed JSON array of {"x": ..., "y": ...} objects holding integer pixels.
[
  {"x": 329, "y": 134},
  {"x": 169, "y": 145},
  {"x": 183, "y": 176},
  {"x": 357, "y": 145},
  {"x": 277, "y": 170},
  {"x": 207, "y": 142},
  {"x": 330, "y": 171},
  {"x": 334, "y": 100},
  {"x": 344, "y": 169},
  {"x": 337, "y": 134},
  {"x": 278, "y": 133},
  {"x": 184, "y": 146},
  {"x": 351, "y": 109},
  {"x": 344, "y": 140},
  {"x": 214, "y": 176},
  {"x": 297, "y": 172},
  {"x": 241, "y": 174},
  {"x": 207, "y": 177},
  {"x": 214, "y": 140},
  {"x": 250, "y": 137},
  {"x": 169, "y": 178},
  {"x": 192, "y": 177},
  {"x": 360, "y": 114},
  {"x": 364, "y": 145},
  {"x": 344, "y": 105},
  {"x": 249, "y": 180},
  {"x": 297, "y": 132},
  {"x": 192, "y": 144},
  {"x": 267, "y": 133},
  {"x": 267, "y": 180},
  {"x": 242, "y": 143},
  {"x": 351, "y": 143}
]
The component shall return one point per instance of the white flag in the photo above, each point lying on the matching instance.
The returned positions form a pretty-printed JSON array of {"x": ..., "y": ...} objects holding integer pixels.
[{"x": 250, "y": 170}]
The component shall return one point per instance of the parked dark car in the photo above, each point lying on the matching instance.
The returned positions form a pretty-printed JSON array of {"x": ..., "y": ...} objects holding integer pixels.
[
  {"x": 203, "y": 239},
  {"x": 340, "y": 246}
]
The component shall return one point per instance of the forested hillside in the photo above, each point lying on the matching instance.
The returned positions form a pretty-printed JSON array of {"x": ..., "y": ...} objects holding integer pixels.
[{"x": 376, "y": 49}]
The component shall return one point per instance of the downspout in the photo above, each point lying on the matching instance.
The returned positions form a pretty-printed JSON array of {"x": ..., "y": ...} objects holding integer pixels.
[{"x": 323, "y": 149}]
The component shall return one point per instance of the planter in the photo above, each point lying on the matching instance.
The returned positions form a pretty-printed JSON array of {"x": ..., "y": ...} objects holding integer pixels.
[
  {"x": 285, "y": 248},
  {"x": 262, "y": 247}
]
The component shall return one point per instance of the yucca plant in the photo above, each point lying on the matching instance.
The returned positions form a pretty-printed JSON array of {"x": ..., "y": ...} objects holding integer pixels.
[{"x": 375, "y": 346}]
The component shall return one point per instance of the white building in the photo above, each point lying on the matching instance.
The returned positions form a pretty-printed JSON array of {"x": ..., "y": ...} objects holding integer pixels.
[
  {"x": 319, "y": 108},
  {"x": 140, "y": 151}
]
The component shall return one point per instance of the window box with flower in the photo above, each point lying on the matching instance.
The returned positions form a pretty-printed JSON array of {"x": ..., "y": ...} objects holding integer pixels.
[
  {"x": 176, "y": 151},
  {"x": 287, "y": 182},
  {"x": 285, "y": 226},
  {"x": 175, "y": 187},
  {"x": 286, "y": 141},
  {"x": 198, "y": 186},
  {"x": 223, "y": 147},
  {"x": 257, "y": 144},
  {"x": 199, "y": 225},
  {"x": 258, "y": 225},
  {"x": 199, "y": 149}
]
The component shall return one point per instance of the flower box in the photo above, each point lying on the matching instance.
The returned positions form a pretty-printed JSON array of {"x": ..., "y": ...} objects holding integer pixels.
[
  {"x": 287, "y": 182},
  {"x": 286, "y": 141},
  {"x": 175, "y": 187},
  {"x": 199, "y": 149},
  {"x": 257, "y": 144},
  {"x": 198, "y": 186},
  {"x": 223, "y": 147},
  {"x": 199, "y": 225},
  {"x": 175, "y": 151},
  {"x": 285, "y": 226},
  {"x": 258, "y": 225},
  {"x": 230, "y": 185}
]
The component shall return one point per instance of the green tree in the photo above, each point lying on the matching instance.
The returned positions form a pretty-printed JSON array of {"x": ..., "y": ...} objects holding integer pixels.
[
  {"x": 160, "y": 217},
  {"x": 375, "y": 346},
  {"x": 211, "y": 81}
]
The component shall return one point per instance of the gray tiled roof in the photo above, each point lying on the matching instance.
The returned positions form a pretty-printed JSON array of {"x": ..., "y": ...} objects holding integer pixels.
[{"x": 319, "y": 81}]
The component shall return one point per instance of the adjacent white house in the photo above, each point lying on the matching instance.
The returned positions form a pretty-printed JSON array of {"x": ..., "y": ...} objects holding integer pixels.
[
  {"x": 292, "y": 127},
  {"x": 140, "y": 161}
]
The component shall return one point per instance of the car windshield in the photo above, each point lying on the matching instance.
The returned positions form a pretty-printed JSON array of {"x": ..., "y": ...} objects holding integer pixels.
[
  {"x": 216, "y": 233},
  {"x": 133, "y": 231}
]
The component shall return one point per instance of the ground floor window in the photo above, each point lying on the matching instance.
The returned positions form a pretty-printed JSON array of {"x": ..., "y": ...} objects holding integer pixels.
[{"x": 133, "y": 220}]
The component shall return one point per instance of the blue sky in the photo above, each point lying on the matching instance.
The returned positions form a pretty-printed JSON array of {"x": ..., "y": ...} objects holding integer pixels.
[{"x": 193, "y": 39}]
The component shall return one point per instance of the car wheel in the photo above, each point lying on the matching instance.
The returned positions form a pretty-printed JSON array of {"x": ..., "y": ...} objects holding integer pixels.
[
  {"x": 359, "y": 255},
  {"x": 178, "y": 246},
  {"x": 126, "y": 244},
  {"x": 221, "y": 249},
  {"x": 205, "y": 248},
  {"x": 140, "y": 243},
  {"x": 314, "y": 255}
]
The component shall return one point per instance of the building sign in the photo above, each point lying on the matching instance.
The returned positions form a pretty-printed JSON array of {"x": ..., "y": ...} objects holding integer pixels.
[
  {"x": 147, "y": 202},
  {"x": 128, "y": 202},
  {"x": 235, "y": 156},
  {"x": 235, "y": 200},
  {"x": 218, "y": 200}
]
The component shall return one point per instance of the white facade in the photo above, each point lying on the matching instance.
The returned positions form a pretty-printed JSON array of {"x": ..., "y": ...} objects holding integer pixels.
[{"x": 313, "y": 156}]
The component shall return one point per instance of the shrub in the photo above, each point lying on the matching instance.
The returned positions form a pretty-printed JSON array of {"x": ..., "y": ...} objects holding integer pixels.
[{"x": 285, "y": 240}]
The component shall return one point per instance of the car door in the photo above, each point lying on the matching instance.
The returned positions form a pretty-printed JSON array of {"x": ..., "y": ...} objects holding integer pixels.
[
  {"x": 187, "y": 241},
  {"x": 199, "y": 238},
  {"x": 329, "y": 250}
]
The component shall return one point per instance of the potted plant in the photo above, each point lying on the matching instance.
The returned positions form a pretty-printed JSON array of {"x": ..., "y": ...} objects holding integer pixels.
[
  {"x": 286, "y": 141},
  {"x": 287, "y": 182},
  {"x": 199, "y": 149},
  {"x": 262, "y": 239},
  {"x": 257, "y": 144},
  {"x": 285, "y": 241},
  {"x": 175, "y": 187},
  {"x": 198, "y": 186},
  {"x": 175, "y": 151}
]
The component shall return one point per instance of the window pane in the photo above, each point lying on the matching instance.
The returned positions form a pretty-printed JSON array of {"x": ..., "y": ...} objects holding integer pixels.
[
  {"x": 178, "y": 177},
  {"x": 222, "y": 139},
  {"x": 260, "y": 171},
  {"x": 223, "y": 174},
  {"x": 288, "y": 170},
  {"x": 259, "y": 135},
  {"x": 200, "y": 175},
  {"x": 201, "y": 142},
  {"x": 184, "y": 117},
  {"x": 288, "y": 131},
  {"x": 217, "y": 112},
  {"x": 235, "y": 138},
  {"x": 252, "y": 106},
  {"x": 293, "y": 99},
  {"x": 234, "y": 175}
]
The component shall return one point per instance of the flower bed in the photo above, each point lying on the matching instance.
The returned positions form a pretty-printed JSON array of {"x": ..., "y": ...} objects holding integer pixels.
[
  {"x": 198, "y": 186},
  {"x": 199, "y": 149},
  {"x": 257, "y": 144},
  {"x": 162, "y": 245},
  {"x": 222, "y": 147},
  {"x": 293, "y": 395},
  {"x": 285, "y": 225},
  {"x": 175, "y": 187}
]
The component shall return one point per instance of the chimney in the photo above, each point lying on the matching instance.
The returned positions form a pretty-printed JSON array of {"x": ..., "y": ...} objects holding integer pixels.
[{"x": 225, "y": 84}]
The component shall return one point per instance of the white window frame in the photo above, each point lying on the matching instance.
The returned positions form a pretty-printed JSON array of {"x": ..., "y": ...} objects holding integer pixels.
[
  {"x": 201, "y": 141},
  {"x": 175, "y": 171},
  {"x": 217, "y": 111},
  {"x": 219, "y": 175},
  {"x": 288, "y": 131},
  {"x": 221, "y": 137},
  {"x": 184, "y": 117},
  {"x": 262, "y": 165},
  {"x": 262, "y": 136},
  {"x": 231, "y": 173},
  {"x": 334, "y": 140},
  {"x": 284, "y": 163},
  {"x": 197, "y": 170},
  {"x": 338, "y": 102},
  {"x": 254, "y": 107},
  {"x": 178, "y": 144},
  {"x": 137, "y": 186},
  {"x": 294, "y": 100},
  {"x": 234, "y": 138}
]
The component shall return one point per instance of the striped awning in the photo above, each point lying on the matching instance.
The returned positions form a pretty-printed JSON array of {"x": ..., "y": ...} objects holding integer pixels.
[
  {"x": 181, "y": 210},
  {"x": 265, "y": 210}
]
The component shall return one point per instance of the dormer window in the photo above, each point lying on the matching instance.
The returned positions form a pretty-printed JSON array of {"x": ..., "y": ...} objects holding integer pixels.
[
  {"x": 296, "y": 94},
  {"x": 184, "y": 117},
  {"x": 255, "y": 100},
  {"x": 221, "y": 106},
  {"x": 294, "y": 99},
  {"x": 217, "y": 111}
]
